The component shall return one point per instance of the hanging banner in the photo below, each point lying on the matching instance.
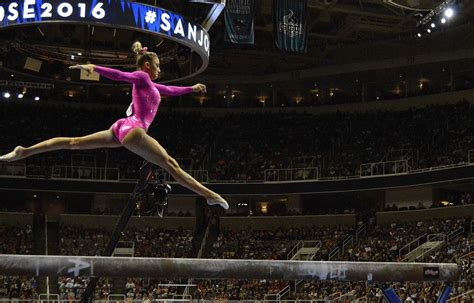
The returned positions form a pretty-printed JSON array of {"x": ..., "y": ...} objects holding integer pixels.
[
  {"x": 290, "y": 24},
  {"x": 239, "y": 21}
]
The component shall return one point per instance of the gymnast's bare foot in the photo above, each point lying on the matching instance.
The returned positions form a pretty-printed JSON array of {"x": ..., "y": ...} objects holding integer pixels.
[
  {"x": 218, "y": 200},
  {"x": 17, "y": 154}
]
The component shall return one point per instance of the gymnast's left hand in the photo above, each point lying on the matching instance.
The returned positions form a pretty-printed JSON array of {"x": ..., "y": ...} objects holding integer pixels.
[
  {"x": 199, "y": 88},
  {"x": 89, "y": 68}
]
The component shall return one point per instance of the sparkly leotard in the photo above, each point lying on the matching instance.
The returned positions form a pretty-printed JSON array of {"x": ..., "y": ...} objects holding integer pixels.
[{"x": 146, "y": 98}]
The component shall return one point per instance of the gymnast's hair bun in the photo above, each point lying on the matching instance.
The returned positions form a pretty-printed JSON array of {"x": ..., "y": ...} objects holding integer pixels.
[{"x": 137, "y": 47}]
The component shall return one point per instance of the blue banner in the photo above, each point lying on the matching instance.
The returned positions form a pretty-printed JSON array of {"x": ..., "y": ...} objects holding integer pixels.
[
  {"x": 239, "y": 21},
  {"x": 290, "y": 24}
]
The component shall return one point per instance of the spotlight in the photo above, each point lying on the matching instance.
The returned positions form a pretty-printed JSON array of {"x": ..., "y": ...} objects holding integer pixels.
[
  {"x": 429, "y": 31},
  {"x": 418, "y": 35},
  {"x": 433, "y": 25},
  {"x": 72, "y": 57},
  {"x": 443, "y": 20},
  {"x": 37, "y": 98},
  {"x": 6, "y": 95},
  {"x": 449, "y": 13},
  {"x": 20, "y": 96},
  {"x": 79, "y": 54}
]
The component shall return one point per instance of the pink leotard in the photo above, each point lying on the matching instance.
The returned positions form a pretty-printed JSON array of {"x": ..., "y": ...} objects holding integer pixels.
[{"x": 145, "y": 99}]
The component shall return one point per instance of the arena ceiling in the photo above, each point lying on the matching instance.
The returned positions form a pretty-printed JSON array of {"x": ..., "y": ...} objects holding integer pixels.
[{"x": 334, "y": 26}]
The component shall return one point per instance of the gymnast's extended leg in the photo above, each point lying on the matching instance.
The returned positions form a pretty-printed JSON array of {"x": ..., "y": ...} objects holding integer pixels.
[
  {"x": 140, "y": 143},
  {"x": 102, "y": 139}
]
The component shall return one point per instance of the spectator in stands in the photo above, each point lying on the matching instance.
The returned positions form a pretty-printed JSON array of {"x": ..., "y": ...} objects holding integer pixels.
[{"x": 17, "y": 240}]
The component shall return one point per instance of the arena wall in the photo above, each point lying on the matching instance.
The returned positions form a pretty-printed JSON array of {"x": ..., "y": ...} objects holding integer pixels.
[
  {"x": 411, "y": 196},
  {"x": 108, "y": 222},
  {"x": 269, "y": 223},
  {"x": 425, "y": 214}
]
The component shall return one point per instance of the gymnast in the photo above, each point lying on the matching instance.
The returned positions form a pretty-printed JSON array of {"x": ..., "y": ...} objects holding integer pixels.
[{"x": 131, "y": 132}]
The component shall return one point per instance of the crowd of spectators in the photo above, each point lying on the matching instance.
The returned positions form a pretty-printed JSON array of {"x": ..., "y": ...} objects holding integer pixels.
[
  {"x": 329, "y": 290},
  {"x": 340, "y": 142},
  {"x": 143, "y": 289},
  {"x": 237, "y": 289},
  {"x": 382, "y": 243},
  {"x": 159, "y": 243},
  {"x": 428, "y": 292},
  {"x": 18, "y": 288},
  {"x": 377, "y": 243},
  {"x": 79, "y": 241},
  {"x": 267, "y": 245},
  {"x": 240, "y": 147},
  {"x": 274, "y": 244},
  {"x": 251, "y": 244},
  {"x": 17, "y": 240},
  {"x": 423, "y": 292},
  {"x": 148, "y": 242},
  {"x": 73, "y": 288},
  {"x": 148, "y": 289}
]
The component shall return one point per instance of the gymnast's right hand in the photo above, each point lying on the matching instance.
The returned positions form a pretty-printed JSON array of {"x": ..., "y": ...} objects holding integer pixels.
[{"x": 89, "y": 68}]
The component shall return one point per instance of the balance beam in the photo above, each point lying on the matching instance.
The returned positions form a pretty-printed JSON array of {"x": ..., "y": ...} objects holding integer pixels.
[{"x": 73, "y": 266}]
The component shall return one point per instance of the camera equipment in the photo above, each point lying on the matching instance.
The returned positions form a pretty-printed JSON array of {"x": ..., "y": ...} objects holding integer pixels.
[{"x": 154, "y": 197}]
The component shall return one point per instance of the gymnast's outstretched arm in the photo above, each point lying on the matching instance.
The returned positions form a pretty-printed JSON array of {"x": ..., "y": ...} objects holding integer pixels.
[
  {"x": 168, "y": 90},
  {"x": 135, "y": 77}
]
